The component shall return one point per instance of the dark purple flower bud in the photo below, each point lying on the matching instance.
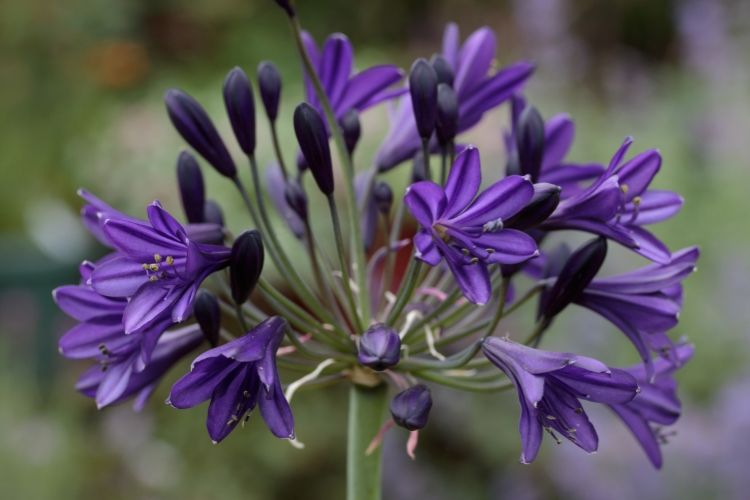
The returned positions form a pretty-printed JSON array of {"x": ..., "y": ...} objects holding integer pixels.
[
  {"x": 351, "y": 129},
  {"x": 411, "y": 408},
  {"x": 212, "y": 213},
  {"x": 382, "y": 194},
  {"x": 580, "y": 268},
  {"x": 442, "y": 69},
  {"x": 423, "y": 82},
  {"x": 194, "y": 125},
  {"x": 446, "y": 125},
  {"x": 296, "y": 198},
  {"x": 379, "y": 347},
  {"x": 313, "y": 141},
  {"x": 269, "y": 85},
  {"x": 418, "y": 168},
  {"x": 287, "y": 6},
  {"x": 240, "y": 104},
  {"x": 246, "y": 264},
  {"x": 192, "y": 190},
  {"x": 530, "y": 142},
  {"x": 208, "y": 315},
  {"x": 543, "y": 203}
]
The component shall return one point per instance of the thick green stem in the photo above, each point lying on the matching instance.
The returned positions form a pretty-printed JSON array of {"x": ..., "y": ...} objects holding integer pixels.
[{"x": 366, "y": 415}]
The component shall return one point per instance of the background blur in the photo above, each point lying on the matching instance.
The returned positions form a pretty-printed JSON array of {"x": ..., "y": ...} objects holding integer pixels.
[{"x": 81, "y": 105}]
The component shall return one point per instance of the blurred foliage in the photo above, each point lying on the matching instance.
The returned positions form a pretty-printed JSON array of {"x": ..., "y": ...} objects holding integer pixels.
[{"x": 81, "y": 105}]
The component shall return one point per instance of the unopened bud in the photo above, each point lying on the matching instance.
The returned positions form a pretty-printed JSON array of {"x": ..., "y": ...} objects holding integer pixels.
[
  {"x": 269, "y": 85},
  {"x": 382, "y": 194},
  {"x": 442, "y": 69},
  {"x": 212, "y": 212},
  {"x": 194, "y": 125},
  {"x": 379, "y": 347},
  {"x": 240, "y": 104},
  {"x": 411, "y": 408},
  {"x": 530, "y": 142},
  {"x": 351, "y": 129},
  {"x": 245, "y": 264},
  {"x": 543, "y": 203},
  {"x": 580, "y": 268},
  {"x": 192, "y": 190},
  {"x": 208, "y": 315},
  {"x": 446, "y": 125},
  {"x": 296, "y": 198},
  {"x": 423, "y": 83},
  {"x": 313, "y": 141}
]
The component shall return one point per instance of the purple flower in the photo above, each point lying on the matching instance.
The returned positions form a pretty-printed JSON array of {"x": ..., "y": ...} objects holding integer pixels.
[
  {"x": 618, "y": 203},
  {"x": 236, "y": 376},
  {"x": 656, "y": 403},
  {"x": 100, "y": 336},
  {"x": 467, "y": 230},
  {"x": 171, "y": 347},
  {"x": 335, "y": 64},
  {"x": 644, "y": 303},
  {"x": 477, "y": 92},
  {"x": 157, "y": 266},
  {"x": 550, "y": 385}
]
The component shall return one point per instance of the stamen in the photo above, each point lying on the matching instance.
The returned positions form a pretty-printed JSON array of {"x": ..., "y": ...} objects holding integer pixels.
[
  {"x": 153, "y": 267},
  {"x": 430, "y": 337},
  {"x": 153, "y": 278},
  {"x": 492, "y": 226},
  {"x": 157, "y": 258},
  {"x": 624, "y": 188},
  {"x": 292, "y": 388},
  {"x": 170, "y": 260}
]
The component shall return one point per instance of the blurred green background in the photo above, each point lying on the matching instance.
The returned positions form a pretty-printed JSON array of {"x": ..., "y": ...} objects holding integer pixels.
[{"x": 81, "y": 105}]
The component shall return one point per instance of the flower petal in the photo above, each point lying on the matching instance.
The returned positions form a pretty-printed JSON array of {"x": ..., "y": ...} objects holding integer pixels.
[
  {"x": 463, "y": 181},
  {"x": 499, "y": 201},
  {"x": 426, "y": 202}
]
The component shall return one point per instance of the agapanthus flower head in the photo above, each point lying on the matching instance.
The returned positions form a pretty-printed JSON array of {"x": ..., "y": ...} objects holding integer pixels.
[
  {"x": 195, "y": 126},
  {"x": 467, "y": 230},
  {"x": 236, "y": 377},
  {"x": 477, "y": 91},
  {"x": 156, "y": 265},
  {"x": 550, "y": 386},
  {"x": 656, "y": 405}
]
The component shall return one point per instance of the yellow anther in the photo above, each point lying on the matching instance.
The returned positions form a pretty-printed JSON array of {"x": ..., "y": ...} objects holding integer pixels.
[
  {"x": 157, "y": 258},
  {"x": 170, "y": 260},
  {"x": 624, "y": 188},
  {"x": 153, "y": 267},
  {"x": 145, "y": 267},
  {"x": 153, "y": 278},
  {"x": 637, "y": 201}
]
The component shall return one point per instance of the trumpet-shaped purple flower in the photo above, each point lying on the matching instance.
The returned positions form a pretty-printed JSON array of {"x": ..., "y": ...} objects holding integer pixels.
[
  {"x": 171, "y": 347},
  {"x": 100, "y": 336},
  {"x": 346, "y": 91},
  {"x": 467, "y": 230},
  {"x": 477, "y": 91},
  {"x": 236, "y": 376},
  {"x": 656, "y": 403},
  {"x": 618, "y": 204},
  {"x": 157, "y": 266},
  {"x": 644, "y": 303},
  {"x": 550, "y": 385}
]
